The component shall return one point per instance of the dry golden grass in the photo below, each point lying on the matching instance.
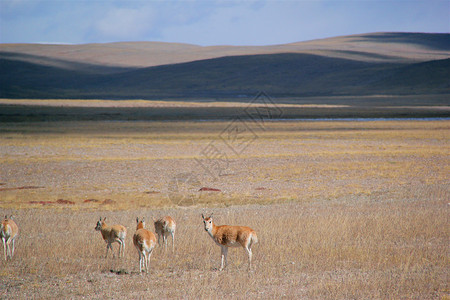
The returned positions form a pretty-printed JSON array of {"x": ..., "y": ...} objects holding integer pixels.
[
  {"x": 343, "y": 210},
  {"x": 148, "y": 103},
  {"x": 315, "y": 250},
  {"x": 133, "y": 163}
]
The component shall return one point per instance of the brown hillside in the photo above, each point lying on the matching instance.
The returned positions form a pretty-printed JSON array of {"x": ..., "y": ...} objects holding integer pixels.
[{"x": 374, "y": 47}]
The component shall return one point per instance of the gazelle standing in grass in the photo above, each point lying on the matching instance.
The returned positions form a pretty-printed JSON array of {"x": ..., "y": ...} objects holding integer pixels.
[
  {"x": 8, "y": 233},
  {"x": 231, "y": 236},
  {"x": 145, "y": 241},
  {"x": 111, "y": 234},
  {"x": 164, "y": 227}
]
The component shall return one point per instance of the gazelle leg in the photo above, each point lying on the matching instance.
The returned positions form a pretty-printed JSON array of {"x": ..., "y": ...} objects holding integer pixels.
[
  {"x": 159, "y": 239},
  {"x": 4, "y": 247},
  {"x": 173, "y": 242},
  {"x": 249, "y": 252},
  {"x": 144, "y": 261},
  {"x": 148, "y": 259},
  {"x": 109, "y": 246},
  {"x": 8, "y": 248},
  {"x": 121, "y": 247},
  {"x": 165, "y": 241},
  {"x": 224, "y": 257},
  {"x": 12, "y": 252}
]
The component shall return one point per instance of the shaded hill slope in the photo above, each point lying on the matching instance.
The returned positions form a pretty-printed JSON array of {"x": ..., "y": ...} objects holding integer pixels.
[
  {"x": 369, "y": 64},
  {"x": 281, "y": 75}
]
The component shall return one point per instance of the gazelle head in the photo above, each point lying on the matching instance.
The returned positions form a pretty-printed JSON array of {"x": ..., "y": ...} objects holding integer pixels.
[
  {"x": 140, "y": 224},
  {"x": 2, "y": 226},
  {"x": 207, "y": 222},
  {"x": 100, "y": 223}
]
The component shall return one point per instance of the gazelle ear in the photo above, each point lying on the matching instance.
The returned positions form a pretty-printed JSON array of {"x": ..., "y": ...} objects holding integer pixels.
[
  {"x": 210, "y": 215},
  {"x": 137, "y": 219},
  {"x": 203, "y": 217}
]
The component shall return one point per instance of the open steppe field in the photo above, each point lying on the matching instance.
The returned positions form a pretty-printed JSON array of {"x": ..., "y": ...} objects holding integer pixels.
[
  {"x": 208, "y": 109},
  {"x": 343, "y": 209}
]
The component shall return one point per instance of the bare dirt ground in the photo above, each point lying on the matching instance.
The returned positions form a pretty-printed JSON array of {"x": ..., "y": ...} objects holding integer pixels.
[{"x": 342, "y": 209}]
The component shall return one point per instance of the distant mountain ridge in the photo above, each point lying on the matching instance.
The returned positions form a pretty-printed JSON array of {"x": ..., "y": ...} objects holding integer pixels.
[
  {"x": 379, "y": 47},
  {"x": 370, "y": 64}
]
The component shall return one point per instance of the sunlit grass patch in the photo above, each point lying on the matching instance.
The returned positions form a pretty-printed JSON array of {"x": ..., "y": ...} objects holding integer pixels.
[{"x": 328, "y": 249}]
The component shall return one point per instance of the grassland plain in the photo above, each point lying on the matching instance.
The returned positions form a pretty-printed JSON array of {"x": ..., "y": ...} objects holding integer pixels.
[
  {"x": 376, "y": 106},
  {"x": 342, "y": 209}
]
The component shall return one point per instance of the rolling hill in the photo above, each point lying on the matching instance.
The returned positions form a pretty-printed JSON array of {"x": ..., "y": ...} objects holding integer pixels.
[{"x": 371, "y": 64}]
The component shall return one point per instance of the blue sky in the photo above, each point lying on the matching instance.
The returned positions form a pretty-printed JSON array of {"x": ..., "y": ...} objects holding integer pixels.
[{"x": 213, "y": 22}]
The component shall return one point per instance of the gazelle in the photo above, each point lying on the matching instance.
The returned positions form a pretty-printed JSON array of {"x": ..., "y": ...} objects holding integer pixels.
[
  {"x": 111, "y": 234},
  {"x": 231, "y": 236},
  {"x": 8, "y": 233},
  {"x": 164, "y": 227},
  {"x": 145, "y": 241}
]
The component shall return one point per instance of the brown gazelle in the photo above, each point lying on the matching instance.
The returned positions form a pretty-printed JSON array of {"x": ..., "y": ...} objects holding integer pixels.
[
  {"x": 111, "y": 234},
  {"x": 231, "y": 236},
  {"x": 164, "y": 227},
  {"x": 8, "y": 233},
  {"x": 145, "y": 241}
]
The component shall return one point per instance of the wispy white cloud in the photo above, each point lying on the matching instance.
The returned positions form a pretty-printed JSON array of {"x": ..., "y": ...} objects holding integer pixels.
[
  {"x": 125, "y": 23},
  {"x": 211, "y": 22}
]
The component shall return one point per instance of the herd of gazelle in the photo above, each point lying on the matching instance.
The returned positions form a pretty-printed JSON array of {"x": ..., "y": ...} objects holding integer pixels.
[{"x": 145, "y": 241}]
